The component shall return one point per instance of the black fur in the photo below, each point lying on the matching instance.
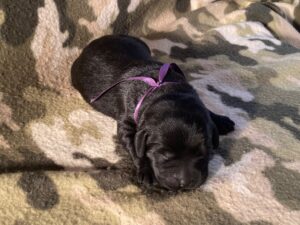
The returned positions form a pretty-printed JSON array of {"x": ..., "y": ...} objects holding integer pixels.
[{"x": 175, "y": 132}]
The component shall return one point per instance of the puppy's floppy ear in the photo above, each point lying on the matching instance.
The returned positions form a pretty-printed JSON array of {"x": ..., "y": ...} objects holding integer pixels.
[
  {"x": 140, "y": 143},
  {"x": 215, "y": 136},
  {"x": 176, "y": 68}
]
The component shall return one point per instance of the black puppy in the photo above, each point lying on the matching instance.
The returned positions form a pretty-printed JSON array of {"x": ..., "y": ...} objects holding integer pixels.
[{"x": 174, "y": 132}]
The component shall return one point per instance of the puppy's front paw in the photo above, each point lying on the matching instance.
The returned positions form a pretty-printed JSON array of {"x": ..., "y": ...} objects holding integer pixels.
[
  {"x": 145, "y": 177},
  {"x": 225, "y": 125}
]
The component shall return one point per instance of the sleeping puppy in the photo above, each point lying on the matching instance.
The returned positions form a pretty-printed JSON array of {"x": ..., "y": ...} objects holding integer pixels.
[{"x": 174, "y": 133}]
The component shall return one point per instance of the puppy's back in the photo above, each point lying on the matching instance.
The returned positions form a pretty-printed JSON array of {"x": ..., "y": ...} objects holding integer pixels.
[{"x": 104, "y": 60}]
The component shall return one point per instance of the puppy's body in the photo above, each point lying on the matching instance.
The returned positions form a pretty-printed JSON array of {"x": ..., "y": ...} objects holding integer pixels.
[
  {"x": 174, "y": 133},
  {"x": 105, "y": 61}
]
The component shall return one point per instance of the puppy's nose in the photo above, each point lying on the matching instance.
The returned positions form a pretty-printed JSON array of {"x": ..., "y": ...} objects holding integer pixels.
[
  {"x": 181, "y": 183},
  {"x": 173, "y": 182}
]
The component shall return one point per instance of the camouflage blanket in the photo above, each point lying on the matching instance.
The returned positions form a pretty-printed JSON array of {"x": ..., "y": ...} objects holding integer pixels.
[{"x": 59, "y": 162}]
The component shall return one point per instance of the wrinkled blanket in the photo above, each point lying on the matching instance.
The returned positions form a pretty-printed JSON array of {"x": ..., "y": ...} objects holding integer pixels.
[{"x": 59, "y": 160}]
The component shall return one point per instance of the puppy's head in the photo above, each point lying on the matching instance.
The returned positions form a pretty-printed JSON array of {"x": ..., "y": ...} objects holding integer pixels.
[{"x": 178, "y": 148}]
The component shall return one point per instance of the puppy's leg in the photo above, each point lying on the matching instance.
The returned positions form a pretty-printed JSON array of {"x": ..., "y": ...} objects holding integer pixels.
[
  {"x": 223, "y": 123},
  {"x": 126, "y": 134}
]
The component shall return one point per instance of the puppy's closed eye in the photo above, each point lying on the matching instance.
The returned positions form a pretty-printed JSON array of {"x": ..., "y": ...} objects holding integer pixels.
[{"x": 167, "y": 156}]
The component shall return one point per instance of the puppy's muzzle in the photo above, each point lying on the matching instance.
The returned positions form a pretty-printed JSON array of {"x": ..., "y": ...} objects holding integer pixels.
[{"x": 177, "y": 181}]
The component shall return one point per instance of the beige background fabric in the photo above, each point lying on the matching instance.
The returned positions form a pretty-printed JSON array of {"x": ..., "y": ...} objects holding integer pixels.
[{"x": 59, "y": 162}]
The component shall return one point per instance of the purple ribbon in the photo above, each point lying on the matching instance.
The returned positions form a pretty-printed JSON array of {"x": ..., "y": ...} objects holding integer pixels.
[{"x": 148, "y": 80}]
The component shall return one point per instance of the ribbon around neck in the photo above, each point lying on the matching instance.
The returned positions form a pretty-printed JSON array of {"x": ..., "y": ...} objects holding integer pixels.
[{"x": 154, "y": 84}]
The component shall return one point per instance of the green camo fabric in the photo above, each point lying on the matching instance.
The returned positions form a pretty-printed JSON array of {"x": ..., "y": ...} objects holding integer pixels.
[{"x": 59, "y": 162}]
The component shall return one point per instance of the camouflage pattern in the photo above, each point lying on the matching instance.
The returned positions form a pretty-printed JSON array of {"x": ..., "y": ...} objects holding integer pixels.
[{"x": 59, "y": 162}]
